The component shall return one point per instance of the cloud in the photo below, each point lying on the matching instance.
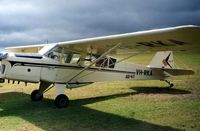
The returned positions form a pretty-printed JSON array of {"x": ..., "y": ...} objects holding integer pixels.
[{"x": 31, "y": 22}]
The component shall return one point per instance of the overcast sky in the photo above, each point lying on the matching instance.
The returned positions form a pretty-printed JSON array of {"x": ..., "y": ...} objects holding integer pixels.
[{"x": 24, "y": 22}]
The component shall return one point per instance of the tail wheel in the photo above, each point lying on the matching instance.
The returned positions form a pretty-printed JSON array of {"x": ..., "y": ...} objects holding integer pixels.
[
  {"x": 171, "y": 85},
  {"x": 61, "y": 101},
  {"x": 35, "y": 96}
]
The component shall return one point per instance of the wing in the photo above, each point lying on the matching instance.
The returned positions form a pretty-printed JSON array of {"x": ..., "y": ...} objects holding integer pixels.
[
  {"x": 26, "y": 49},
  {"x": 181, "y": 38}
]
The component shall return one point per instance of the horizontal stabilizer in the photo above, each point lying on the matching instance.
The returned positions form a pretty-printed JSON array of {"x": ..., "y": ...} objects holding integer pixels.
[{"x": 176, "y": 72}]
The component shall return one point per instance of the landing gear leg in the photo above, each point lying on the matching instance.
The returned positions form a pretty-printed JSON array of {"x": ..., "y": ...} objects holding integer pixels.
[
  {"x": 170, "y": 84},
  {"x": 61, "y": 100},
  {"x": 37, "y": 95}
]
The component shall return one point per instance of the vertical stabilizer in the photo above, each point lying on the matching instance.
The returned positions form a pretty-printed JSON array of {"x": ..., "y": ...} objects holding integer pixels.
[{"x": 163, "y": 59}]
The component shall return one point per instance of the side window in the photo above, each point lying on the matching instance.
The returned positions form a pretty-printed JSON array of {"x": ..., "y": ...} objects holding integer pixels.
[
  {"x": 75, "y": 59},
  {"x": 102, "y": 63},
  {"x": 112, "y": 62},
  {"x": 106, "y": 62},
  {"x": 68, "y": 57}
]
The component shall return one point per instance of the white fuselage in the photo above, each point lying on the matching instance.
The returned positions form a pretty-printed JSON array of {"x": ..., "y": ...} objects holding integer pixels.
[{"x": 30, "y": 68}]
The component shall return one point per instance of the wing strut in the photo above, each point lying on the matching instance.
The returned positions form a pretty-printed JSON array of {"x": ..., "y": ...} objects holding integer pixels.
[{"x": 93, "y": 62}]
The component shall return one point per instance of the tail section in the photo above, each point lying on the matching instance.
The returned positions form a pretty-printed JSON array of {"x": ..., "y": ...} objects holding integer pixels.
[{"x": 163, "y": 59}]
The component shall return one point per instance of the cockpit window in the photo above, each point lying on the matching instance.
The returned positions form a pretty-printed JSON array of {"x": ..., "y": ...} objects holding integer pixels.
[{"x": 63, "y": 55}]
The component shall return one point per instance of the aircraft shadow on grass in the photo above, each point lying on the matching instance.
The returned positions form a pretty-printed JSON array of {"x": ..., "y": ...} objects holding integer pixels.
[
  {"x": 77, "y": 116},
  {"x": 159, "y": 90}
]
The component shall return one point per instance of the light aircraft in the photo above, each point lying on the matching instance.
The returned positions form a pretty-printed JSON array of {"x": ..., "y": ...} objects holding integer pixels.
[{"x": 78, "y": 63}]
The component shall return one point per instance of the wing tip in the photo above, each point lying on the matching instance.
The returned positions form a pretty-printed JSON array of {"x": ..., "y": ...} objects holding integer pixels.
[{"x": 188, "y": 26}]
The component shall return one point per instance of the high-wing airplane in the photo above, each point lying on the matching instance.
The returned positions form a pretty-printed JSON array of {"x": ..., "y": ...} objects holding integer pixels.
[{"x": 81, "y": 62}]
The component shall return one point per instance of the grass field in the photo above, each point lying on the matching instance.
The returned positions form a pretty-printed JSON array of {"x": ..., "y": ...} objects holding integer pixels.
[{"x": 130, "y": 105}]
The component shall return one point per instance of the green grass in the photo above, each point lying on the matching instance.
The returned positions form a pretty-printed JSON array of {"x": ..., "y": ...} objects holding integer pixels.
[{"x": 130, "y": 105}]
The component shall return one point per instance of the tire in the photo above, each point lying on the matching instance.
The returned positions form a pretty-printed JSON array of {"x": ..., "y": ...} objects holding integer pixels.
[
  {"x": 35, "y": 96},
  {"x": 61, "y": 101}
]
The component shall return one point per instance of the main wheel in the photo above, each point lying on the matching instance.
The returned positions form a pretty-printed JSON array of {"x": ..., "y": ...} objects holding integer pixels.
[
  {"x": 35, "y": 96},
  {"x": 171, "y": 85},
  {"x": 61, "y": 101}
]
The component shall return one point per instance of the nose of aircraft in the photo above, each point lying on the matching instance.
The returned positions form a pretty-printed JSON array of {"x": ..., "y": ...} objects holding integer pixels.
[{"x": 3, "y": 55}]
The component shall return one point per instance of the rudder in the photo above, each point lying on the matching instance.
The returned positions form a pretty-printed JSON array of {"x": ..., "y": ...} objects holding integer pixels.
[{"x": 163, "y": 59}]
